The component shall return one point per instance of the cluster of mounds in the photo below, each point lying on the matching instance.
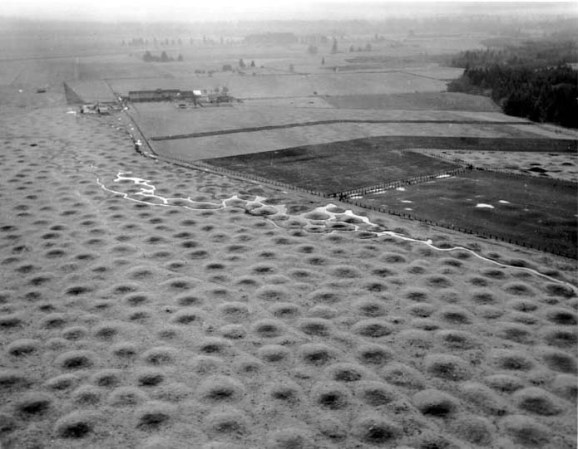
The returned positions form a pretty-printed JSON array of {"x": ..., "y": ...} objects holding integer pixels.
[
  {"x": 562, "y": 166},
  {"x": 129, "y": 320}
]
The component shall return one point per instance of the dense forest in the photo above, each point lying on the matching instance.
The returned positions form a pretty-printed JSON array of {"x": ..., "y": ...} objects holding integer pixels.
[{"x": 533, "y": 81}]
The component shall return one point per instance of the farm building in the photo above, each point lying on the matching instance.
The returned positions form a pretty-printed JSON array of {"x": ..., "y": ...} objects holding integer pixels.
[
  {"x": 144, "y": 96},
  {"x": 139, "y": 96}
]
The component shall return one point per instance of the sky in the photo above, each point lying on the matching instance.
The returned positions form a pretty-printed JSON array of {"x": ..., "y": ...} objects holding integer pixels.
[{"x": 222, "y": 10}]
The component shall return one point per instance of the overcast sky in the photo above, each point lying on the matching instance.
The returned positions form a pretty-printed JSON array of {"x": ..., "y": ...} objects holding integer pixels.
[{"x": 201, "y": 10}]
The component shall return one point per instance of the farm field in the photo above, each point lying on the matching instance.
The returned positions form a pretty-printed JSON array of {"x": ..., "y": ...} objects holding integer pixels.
[
  {"x": 165, "y": 119},
  {"x": 289, "y": 85},
  {"x": 539, "y": 212},
  {"x": 337, "y": 166},
  {"x": 92, "y": 91},
  {"x": 437, "y": 136},
  {"x": 432, "y": 101}
]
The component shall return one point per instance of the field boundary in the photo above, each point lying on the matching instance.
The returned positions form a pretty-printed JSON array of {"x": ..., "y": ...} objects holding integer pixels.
[
  {"x": 330, "y": 122},
  {"x": 347, "y": 200},
  {"x": 252, "y": 178},
  {"x": 398, "y": 183},
  {"x": 200, "y": 165}
]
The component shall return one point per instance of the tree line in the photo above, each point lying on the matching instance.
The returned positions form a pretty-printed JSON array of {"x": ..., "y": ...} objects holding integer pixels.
[
  {"x": 533, "y": 81},
  {"x": 149, "y": 57}
]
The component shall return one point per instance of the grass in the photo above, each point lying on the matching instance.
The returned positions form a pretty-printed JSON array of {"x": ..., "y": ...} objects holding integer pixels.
[
  {"x": 338, "y": 166},
  {"x": 538, "y": 212}
]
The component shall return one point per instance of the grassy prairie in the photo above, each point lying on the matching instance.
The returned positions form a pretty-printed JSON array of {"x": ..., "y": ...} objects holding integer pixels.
[{"x": 558, "y": 165}]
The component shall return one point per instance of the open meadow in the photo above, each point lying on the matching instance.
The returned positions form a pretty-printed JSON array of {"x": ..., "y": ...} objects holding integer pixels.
[{"x": 146, "y": 305}]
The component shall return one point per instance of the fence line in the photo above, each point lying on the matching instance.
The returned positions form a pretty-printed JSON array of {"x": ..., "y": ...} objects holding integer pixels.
[
  {"x": 396, "y": 184},
  {"x": 200, "y": 165},
  {"x": 327, "y": 122}
]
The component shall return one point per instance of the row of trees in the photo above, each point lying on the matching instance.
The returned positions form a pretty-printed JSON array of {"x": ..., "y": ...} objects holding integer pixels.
[
  {"x": 547, "y": 94},
  {"x": 313, "y": 49},
  {"x": 536, "y": 54},
  {"x": 149, "y": 57}
]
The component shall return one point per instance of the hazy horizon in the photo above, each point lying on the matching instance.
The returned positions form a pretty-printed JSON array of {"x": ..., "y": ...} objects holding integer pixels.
[{"x": 228, "y": 10}]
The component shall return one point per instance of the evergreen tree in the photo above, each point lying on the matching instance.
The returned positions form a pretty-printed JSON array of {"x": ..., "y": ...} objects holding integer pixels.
[{"x": 334, "y": 46}]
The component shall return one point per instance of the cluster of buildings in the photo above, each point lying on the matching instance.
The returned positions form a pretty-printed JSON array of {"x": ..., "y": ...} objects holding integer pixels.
[{"x": 196, "y": 97}]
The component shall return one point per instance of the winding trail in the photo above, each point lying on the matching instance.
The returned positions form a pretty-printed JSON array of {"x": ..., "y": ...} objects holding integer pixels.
[{"x": 147, "y": 192}]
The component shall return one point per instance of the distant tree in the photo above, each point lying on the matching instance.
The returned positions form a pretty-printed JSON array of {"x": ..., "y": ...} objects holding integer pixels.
[
  {"x": 334, "y": 46},
  {"x": 291, "y": 68},
  {"x": 147, "y": 57},
  {"x": 351, "y": 48},
  {"x": 252, "y": 63},
  {"x": 323, "y": 61},
  {"x": 180, "y": 58},
  {"x": 242, "y": 63},
  {"x": 227, "y": 68},
  {"x": 368, "y": 47},
  {"x": 312, "y": 49},
  {"x": 164, "y": 57}
]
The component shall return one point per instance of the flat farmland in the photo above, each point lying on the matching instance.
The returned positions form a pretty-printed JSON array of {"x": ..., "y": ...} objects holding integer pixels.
[
  {"x": 117, "y": 67},
  {"x": 165, "y": 119},
  {"x": 93, "y": 91},
  {"x": 38, "y": 72},
  {"x": 335, "y": 167},
  {"x": 433, "y": 101},
  {"x": 9, "y": 71},
  {"x": 539, "y": 212},
  {"x": 289, "y": 85},
  {"x": 442, "y": 134},
  {"x": 436, "y": 71}
]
